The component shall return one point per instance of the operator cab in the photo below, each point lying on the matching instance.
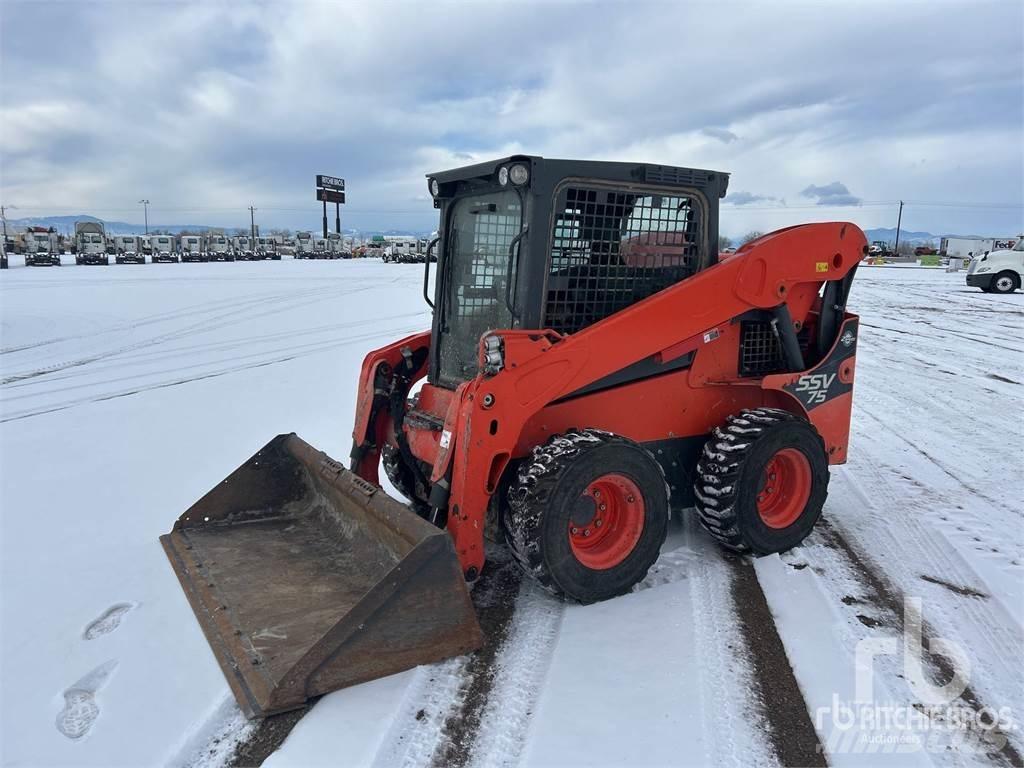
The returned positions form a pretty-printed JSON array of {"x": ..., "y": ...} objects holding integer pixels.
[{"x": 527, "y": 242}]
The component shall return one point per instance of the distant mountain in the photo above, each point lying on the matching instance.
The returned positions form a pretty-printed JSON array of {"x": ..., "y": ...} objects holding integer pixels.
[
  {"x": 888, "y": 235},
  {"x": 66, "y": 225}
]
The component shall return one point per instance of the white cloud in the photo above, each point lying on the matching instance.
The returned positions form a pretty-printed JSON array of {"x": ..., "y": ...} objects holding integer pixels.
[{"x": 213, "y": 106}]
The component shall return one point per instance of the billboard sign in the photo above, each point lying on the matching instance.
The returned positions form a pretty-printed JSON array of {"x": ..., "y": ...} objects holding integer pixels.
[
  {"x": 330, "y": 182},
  {"x": 330, "y": 196}
]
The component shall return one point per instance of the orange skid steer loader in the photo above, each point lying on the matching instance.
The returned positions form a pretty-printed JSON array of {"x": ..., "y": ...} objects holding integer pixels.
[{"x": 592, "y": 361}]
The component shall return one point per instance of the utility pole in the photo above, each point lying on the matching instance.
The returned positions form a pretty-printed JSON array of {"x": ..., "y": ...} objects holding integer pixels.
[
  {"x": 145, "y": 212},
  {"x": 899, "y": 220},
  {"x": 252, "y": 221}
]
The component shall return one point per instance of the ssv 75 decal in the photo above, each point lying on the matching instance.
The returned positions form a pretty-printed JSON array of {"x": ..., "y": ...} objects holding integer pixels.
[{"x": 815, "y": 386}]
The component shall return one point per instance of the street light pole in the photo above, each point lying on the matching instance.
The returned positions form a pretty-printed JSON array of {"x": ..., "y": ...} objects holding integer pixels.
[
  {"x": 145, "y": 213},
  {"x": 899, "y": 221},
  {"x": 252, "y": 223}
]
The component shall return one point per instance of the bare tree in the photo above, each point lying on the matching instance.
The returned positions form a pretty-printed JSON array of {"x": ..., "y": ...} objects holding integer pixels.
[
  {"x": 724, "y": 242},
  {"x": 751, "y": 235},
  {"x": 905, "y": 249}
]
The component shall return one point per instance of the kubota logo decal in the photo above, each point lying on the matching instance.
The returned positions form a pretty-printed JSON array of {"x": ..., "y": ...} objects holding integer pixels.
[
  {"x": 815, "y": 385},
  {"x": 848, "y": 338}
]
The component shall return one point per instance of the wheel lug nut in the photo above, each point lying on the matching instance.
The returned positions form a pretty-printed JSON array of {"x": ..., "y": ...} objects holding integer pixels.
[
  {"x": 575, "y": 531},
  {"x": 771, "y": 476},
  {"x": 599, "y": 523},
  {"x": 630, "y": 499},
  {"x": 602, "y": 507},
  {"x": 586, "y": 531}
]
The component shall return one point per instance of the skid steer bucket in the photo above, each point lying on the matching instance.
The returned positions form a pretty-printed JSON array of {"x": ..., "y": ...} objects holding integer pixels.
[{"x": 306, "y": 579}]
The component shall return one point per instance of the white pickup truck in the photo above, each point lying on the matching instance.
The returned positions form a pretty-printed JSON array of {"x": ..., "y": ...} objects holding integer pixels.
[{"x": 999, "y": 271}]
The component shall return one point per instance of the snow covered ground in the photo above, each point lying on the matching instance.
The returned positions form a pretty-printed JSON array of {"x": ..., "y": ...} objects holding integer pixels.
[{"x": 127, "y": 392}]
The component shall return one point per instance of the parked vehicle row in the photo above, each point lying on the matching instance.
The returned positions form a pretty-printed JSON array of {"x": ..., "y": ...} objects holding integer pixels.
[
  {"x": 92, "y": 245},
  {"x": 308, "y": 246}
]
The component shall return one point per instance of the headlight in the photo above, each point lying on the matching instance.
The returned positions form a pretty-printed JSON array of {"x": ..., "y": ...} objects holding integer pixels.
[
  {"x": 984, "y": 269},
  {"x": 435, "y": 188},
  {"x": 519, "y": 174},
  {"x": 503, "y": 176}
]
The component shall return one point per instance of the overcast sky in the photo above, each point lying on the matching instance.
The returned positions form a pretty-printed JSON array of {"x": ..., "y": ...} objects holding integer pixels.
[{"x": 818, "y": 110}]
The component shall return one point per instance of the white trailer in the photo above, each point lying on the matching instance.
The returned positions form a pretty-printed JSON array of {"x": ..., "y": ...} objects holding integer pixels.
[
  {"x": 127, "y": 250},
  {"x": 163, "y": 248},
  {"x": 192, "y": 248},
  {"x": 968, "y": 247}
]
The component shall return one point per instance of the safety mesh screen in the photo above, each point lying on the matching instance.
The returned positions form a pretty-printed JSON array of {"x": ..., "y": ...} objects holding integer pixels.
[
  {"x": 610, "y": 249},
  {"x": 482, "y": 228},
  {"x": 760, "y": 349}
]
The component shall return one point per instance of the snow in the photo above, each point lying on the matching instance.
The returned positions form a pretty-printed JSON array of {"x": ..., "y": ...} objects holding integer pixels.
[{"x": 127, "y": 392}]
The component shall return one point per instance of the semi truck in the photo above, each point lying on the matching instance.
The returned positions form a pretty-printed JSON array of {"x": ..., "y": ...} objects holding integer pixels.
[
  {"x": 242, "y": 247},
  {"x": 304, "y": 245},
  {"x": 91, "y": 243},
  {"x": 126, "y": 250},
  {"x": 41, "y": 248},
  {"x": 335, "y": 247},
  {"x": 163, "y": 249},
  {"x": 267, "y": 248},
  {"x": 218, "y": 248},
  {"x": 403, "y": 250},
  {"x": 192, "y": 248}
]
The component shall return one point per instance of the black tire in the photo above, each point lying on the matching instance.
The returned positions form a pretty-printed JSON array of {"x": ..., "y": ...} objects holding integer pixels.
[
  {"x": 731, "y": 476},
  {"x": 402, "y": 478},
  {"x": 548, "y": 496},
  {"x": 1005, "y": 282}
]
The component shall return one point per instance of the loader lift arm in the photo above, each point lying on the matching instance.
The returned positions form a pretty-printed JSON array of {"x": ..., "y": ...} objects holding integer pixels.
[{"x": 783, "y": 269}]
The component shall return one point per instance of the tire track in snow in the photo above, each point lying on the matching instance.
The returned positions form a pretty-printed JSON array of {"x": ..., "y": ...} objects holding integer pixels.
[
  {"x": 940, "y": 465},
  {"x": 996, "y": 640},
  {"x": 100, "y": 397},
  {"x": 889, "y": 602},
  {"x": 792, "y": 732},
  {"x": 254, "y": 309},
  {"x": 449, "y": 706}
]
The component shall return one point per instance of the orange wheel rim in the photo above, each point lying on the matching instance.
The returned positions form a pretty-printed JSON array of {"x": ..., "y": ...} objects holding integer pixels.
[
  {"x": 785, "y": 488},
  {"x": 610, "y": 535}
]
